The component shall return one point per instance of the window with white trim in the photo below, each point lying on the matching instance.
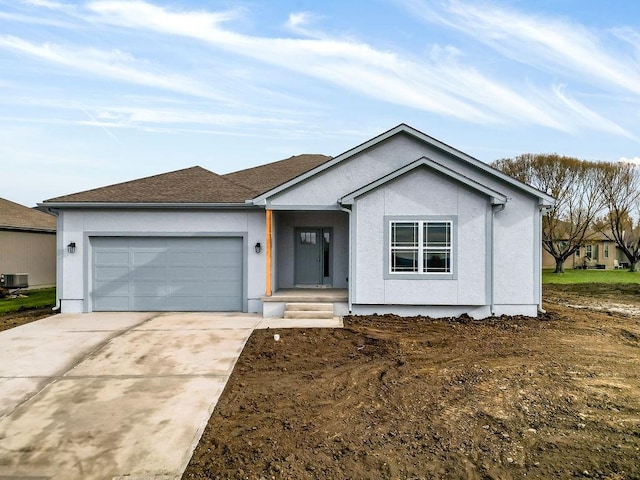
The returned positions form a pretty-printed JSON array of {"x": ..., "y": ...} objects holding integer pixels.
[{"x": 420, "y": 247}]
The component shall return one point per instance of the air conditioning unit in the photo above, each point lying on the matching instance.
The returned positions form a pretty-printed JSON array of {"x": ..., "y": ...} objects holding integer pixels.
[{"x": 14, "y": 280}]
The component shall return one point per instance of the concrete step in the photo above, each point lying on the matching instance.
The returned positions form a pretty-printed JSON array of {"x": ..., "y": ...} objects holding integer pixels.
[
  {"x": 308, "y": 314},
  {"x": 300, "y": 306}
]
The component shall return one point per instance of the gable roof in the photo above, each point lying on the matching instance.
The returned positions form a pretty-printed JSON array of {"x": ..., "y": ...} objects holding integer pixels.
[
  {"x": 14, "y": 216},
  {"x": 497, "y": 198},
  {"x": 194, "y": 185},
  {"x": 266, "y": 177},
  {"x": 544, "y": 199}
]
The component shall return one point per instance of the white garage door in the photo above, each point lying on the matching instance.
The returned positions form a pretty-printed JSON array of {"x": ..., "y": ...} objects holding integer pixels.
[{"x": 167, "y": 274}]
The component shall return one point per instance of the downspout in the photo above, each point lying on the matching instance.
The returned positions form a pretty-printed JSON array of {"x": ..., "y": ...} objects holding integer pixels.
[
  {"x": 58, "y": 304},
  {"x": 350, "y": 278},
  {"x": 542, "y": 209},
  {"x": 494, "y": 209}
]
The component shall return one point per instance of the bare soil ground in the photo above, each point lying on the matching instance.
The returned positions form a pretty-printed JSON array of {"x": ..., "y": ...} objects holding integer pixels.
[
  {"x": 15, "y": 319},
  {"x": 415, "y": 398}
]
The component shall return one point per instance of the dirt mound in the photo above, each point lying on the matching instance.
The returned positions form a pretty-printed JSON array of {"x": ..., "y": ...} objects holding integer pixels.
[{"x": 416, "y": 398}]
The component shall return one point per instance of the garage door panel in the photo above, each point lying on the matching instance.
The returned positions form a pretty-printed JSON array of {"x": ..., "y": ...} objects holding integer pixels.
[
  {"x": 150, "y": 288},
  {"x": 167, "y": 273},
  {"x": 222, "y": 304},
  {"x": 149, "y": 304},
  {"x": 111, "y": 273},
  {"x": 149, "y": 257},
  {"x": 112, "y": 257},
  {"x": 222, "y": 288},
  {"x": 145, "y": 272},
  {"x": 112, "y": 303},
  {"x": 189, "y": 272},
  {"x": 185, "y": 258},
  {"x": 220, "y": 259},
  {"x": 112, "y": 288},
  {"x": 230, "y": 274},
  {"x": 186, "y": 288}
]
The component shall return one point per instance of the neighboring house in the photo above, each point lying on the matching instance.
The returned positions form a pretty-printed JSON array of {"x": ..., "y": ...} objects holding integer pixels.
[
  {"x": 598, "y": 251},
  {"x": 27, "y": 243},
  {"x": 402, "y": 223}
]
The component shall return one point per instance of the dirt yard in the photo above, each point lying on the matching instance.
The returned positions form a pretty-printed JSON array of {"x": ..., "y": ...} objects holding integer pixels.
[
  {"x": 10, "y": 320},
  {"x": 393, "y": 398}
]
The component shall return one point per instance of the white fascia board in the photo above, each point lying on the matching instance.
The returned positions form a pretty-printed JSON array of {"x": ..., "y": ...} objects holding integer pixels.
[
  {"x": 146, "y": 206},
  {"x": 404, "y": 128},
  {"x": 497, "y": 198}
]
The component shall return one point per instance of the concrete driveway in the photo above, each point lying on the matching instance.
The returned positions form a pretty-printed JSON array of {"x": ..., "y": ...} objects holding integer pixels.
[{"x": 112, "y": 395}]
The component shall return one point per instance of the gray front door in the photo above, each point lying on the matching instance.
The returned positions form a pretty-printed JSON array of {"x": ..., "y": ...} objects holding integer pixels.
[
  {"x": 313, "y": 256},
  {"x": 164, "y": 273}
]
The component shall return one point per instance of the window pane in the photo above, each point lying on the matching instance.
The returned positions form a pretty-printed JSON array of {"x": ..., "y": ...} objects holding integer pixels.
[
  {"x": 308, "y": 238},
  {"x": 404, "y": 260},
  {"x": 437, "y": 234},
  {"x": 404, "y": 234},
  {"x": 437, "y": 261}
]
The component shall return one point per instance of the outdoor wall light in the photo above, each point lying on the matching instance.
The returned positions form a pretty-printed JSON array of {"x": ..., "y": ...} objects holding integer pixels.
[
  {"x": 258, "y": 247},
  {"x": 71, "y": 248}
]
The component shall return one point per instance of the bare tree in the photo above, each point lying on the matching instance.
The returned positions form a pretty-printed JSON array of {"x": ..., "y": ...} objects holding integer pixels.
[
  {"x": 621, "y": 223},
  {"x": 576, "y": 185}
]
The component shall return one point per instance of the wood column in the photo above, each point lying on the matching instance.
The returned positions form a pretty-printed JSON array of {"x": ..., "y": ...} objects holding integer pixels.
[{"x": 269, "y": 252}]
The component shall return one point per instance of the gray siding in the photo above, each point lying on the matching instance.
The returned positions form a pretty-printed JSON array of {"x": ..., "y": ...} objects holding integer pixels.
[{"x": 29, "y": 252}]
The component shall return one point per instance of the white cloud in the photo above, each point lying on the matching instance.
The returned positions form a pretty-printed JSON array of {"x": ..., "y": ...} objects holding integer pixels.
[
  {"x": 447, "y": 88},
  {"x": 113, "y": 64},
  {"x": 299, "y": 22},
  {"x": 542, "y": 41}
]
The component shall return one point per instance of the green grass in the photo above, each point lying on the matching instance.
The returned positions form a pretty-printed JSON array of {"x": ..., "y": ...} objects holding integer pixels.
[
  {"x": 45, "y": 297},
  {"x": 590, "y": 276}
]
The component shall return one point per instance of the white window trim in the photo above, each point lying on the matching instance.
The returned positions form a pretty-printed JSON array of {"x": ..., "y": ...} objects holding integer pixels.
[{"x": 421, "y": 220}]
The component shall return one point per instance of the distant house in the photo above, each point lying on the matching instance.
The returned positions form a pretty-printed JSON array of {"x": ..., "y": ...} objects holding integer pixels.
[
  {"x": 598, "y": 251},
  {"x": 27, "y": 243},
  {"x": 401, "y": 223}
]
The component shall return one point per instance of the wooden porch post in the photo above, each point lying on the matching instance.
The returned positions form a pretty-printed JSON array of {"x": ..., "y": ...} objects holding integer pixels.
[{"x": 269, "y": 251}]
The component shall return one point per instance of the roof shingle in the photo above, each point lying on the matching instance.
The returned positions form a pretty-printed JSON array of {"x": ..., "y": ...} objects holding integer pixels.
[
  {"x": 266, "y": 177},
  {"x": 18, "y": 217},
  {"x": 199, "y": 185},
  {"x": 190, "y": 185}
]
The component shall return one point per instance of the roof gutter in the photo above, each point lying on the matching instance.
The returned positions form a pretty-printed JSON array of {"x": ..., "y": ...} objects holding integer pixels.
[{"x": 148, "y": 206}]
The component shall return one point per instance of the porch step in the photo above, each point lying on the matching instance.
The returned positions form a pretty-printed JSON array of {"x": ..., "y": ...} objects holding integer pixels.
[{"x": 308, "y": 310}]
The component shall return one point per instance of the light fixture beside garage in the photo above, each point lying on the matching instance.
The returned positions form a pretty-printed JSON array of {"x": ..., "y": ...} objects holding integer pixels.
[
  {"x": 258, "y": 247},
  {"x": 71, "y": 248}
]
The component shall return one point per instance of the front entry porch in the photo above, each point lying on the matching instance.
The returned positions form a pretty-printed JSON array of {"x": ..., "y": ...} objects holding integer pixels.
[
  {"x": 306, "y": 303},
  {"x": 307, "y": 264}
]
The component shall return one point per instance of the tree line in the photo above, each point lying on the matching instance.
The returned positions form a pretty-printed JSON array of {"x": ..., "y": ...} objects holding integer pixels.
[{"x": 591, "y": 197}]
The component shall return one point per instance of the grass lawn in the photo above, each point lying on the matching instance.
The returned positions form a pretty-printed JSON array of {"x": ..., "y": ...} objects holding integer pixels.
[
  {"x": 45, "y": 297},
  {"x": 590, "y": 276}
]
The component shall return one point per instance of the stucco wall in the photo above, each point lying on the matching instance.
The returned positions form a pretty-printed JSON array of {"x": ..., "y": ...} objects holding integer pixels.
[
  {"x": 79, "y": 225},
  {"x": 422, "y": 193},
  {"x": 29, "y": 252},
  {"x": 517, "y": 247},
  {"x": 286, "y": 224}
]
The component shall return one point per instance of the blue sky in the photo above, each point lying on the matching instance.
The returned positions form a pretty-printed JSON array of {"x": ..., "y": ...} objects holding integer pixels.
[{"x": 99, "y": 92}]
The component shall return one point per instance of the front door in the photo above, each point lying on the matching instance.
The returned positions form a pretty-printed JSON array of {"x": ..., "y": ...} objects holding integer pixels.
[{"x": 313, "y": 256}]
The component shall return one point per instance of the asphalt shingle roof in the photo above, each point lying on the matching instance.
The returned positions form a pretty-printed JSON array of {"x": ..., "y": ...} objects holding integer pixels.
[
  {"x": 199, "y": 185},
  {"x": 18, "y": 217},
  {"x": 266, "y": 177},
  {"x": 190, "y": 185}
]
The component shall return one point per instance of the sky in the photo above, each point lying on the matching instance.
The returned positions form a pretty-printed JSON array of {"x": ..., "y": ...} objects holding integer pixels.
[{"x": 99, "y": 92}]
